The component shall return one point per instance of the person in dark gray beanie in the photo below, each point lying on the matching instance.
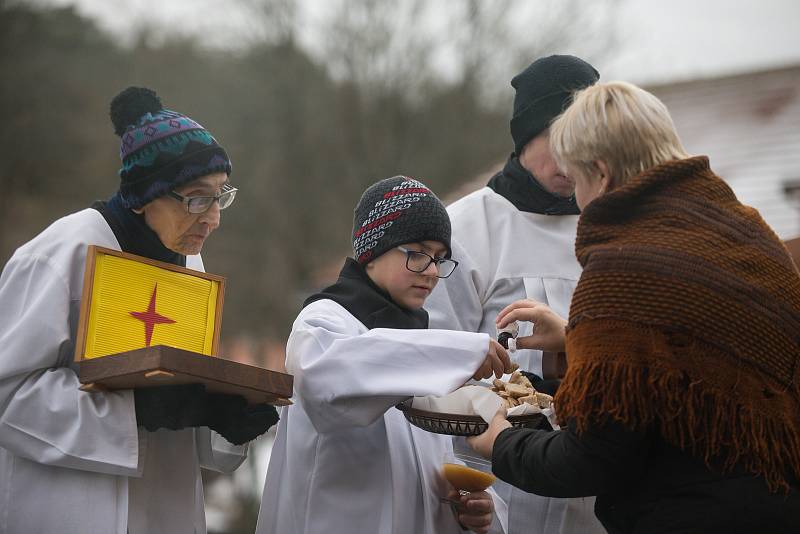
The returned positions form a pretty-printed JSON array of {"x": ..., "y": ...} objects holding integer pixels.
[
  {"x": 359, "y": 347},
  {"x": 514, "y": 239}
]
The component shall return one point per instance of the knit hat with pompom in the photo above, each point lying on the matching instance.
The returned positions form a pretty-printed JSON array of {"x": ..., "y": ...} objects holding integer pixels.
[{"x": 160, "y": 149}]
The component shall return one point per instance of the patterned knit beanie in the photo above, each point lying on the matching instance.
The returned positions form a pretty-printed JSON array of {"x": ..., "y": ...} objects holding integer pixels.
[
  {"x": 395, "y": 211},
  {"x": 161, "y": 149},
  {"x": 544, "y": 90}
]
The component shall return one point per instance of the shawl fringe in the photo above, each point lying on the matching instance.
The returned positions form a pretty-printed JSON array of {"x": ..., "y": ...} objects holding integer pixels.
[{"x": 614, "y": 371}]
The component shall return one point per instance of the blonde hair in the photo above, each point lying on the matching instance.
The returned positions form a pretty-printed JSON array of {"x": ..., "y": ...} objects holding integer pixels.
[{"x": 616, "y": 122}]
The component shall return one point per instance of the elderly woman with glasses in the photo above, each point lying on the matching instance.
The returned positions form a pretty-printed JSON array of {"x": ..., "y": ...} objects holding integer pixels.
[
  {"x": 124, "y": 461},
  {"x": 681, "y": 404}
]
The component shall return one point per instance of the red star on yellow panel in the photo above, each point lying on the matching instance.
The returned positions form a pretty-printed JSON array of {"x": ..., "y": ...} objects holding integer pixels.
[{"x": 150, "y": 318}]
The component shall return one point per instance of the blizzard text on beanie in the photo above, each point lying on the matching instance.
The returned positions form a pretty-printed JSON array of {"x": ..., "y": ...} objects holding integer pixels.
[{"x": 395, "y": 211}]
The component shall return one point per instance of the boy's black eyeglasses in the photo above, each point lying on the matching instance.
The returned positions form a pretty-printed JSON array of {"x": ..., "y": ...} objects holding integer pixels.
[
  {"x": 417, "y": 262},
  {"x": 203, "y": 204}
]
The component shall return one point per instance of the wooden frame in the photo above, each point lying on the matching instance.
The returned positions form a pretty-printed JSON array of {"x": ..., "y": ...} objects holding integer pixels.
[
  {"x": 88, "y": 286},
  {"x": 163, "y": 365}
]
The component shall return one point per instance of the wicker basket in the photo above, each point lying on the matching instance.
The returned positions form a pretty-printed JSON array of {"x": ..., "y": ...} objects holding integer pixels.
[{"x": 458, "y": 425}]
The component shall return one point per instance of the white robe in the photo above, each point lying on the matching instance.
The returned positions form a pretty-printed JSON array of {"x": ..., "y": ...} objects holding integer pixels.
[
  {"x": 505, "y": 255},
  {"x": 71, "y": 461},
  {"x": 345, "y": 460}
]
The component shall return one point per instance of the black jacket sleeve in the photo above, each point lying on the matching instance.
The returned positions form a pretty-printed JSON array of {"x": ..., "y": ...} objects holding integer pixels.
[{"x": 601, "y": 460}]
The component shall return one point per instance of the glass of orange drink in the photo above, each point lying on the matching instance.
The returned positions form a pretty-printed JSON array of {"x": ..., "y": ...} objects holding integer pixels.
[
  {"x": 467, "y": 479},
  {"x": 463, "y": 478}
]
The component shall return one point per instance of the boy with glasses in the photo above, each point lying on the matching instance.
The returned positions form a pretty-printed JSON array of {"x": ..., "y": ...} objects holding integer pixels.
[{"x": 344, "y": 459}]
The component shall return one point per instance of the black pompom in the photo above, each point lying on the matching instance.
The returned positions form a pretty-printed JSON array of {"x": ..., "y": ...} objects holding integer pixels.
[{"x": 128, "y": 107}]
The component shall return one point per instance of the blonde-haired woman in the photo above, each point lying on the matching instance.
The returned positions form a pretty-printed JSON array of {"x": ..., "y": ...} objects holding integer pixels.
[{"x": 681, "y": 403}]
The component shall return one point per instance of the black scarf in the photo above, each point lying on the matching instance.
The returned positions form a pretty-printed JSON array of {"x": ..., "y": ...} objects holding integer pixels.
[
  {"x": 133, "y": 234},
  {"x": 522, "y": 189},
  {"x": 357, "y": 293}
]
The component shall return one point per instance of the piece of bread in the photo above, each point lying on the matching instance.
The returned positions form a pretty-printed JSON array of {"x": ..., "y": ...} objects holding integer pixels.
[
  {"x": 516, "y": 391},
  {"x": 519, "y": 390},
  {"x": 544, "y": 400}
]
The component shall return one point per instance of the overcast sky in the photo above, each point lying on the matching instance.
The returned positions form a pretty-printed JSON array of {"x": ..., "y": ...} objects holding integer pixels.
[
  {"x": 683, "y": 39},
  {"x": 659, "y": 40}
]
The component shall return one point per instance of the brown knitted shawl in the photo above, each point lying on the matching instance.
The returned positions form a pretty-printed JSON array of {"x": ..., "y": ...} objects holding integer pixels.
[{"x": 686, "y": 320}]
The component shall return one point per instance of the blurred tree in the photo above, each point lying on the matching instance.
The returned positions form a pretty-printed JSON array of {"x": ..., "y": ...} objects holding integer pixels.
[
  {"x": 54, "y": 133},
  {"x": 414, "y": 87}
]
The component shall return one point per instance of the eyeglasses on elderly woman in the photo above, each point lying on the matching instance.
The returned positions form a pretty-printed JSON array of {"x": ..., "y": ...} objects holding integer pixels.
[{"x": 202, "y": 204}]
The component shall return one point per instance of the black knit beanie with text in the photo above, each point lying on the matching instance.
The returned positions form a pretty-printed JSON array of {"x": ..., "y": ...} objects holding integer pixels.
[{"x": 395, "y": 211}]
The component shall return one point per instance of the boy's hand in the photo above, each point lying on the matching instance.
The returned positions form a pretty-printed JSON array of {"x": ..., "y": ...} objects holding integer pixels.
[
  {"x": 497, "y": 362},
  {"x": 475, "y": 511},
  {"x": 548, "y": 326}
]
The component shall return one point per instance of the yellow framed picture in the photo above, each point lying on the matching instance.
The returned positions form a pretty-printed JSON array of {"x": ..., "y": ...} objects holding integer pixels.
[{"x": 130, "y": 302}]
